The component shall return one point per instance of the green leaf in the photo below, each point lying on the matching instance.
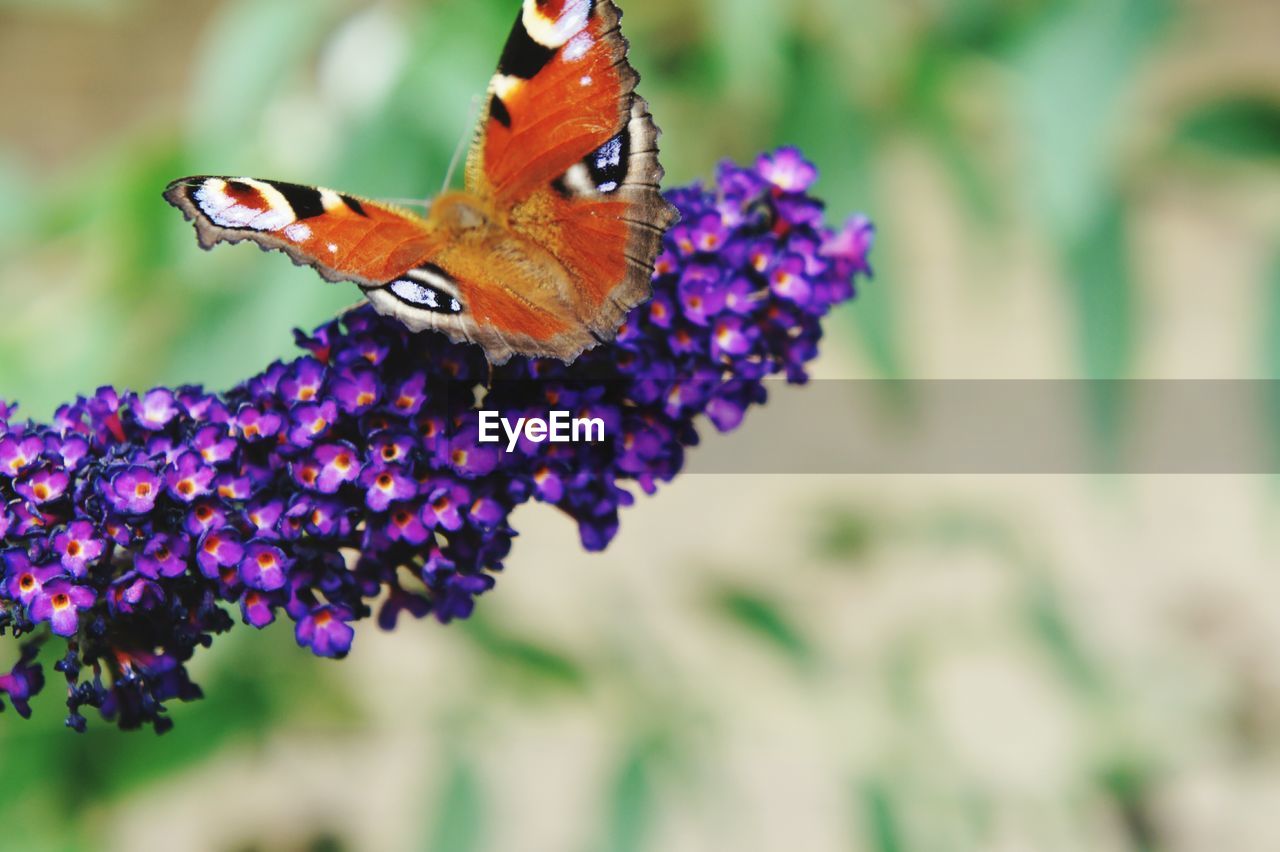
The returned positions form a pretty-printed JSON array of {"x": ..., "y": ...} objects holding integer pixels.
[
  {"x": 631, "y": 805},
  {"x": 883, "y": 828},
  {"x": 524, "y": 659},
  {"x": 460, "y": 816},
  {"x": 250, "y": 52},
  {"x": 1051, "y": 627},
  {"x": 763, "y": 619},
  {"x": 1271, "y": 355},
  {"x": 1100, "y": 275},
  {"x": 1242, "y": 126},
  {"x": 844, "y": 536}
]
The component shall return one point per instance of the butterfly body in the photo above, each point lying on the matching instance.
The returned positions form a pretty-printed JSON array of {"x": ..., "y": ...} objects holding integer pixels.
[{"x": 552, "y": 240}]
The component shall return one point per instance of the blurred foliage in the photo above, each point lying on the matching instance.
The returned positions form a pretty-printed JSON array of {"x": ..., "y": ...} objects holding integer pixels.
[
  {"x": 1022, "y": 104},
  {"x": 1029, "y": 109}
]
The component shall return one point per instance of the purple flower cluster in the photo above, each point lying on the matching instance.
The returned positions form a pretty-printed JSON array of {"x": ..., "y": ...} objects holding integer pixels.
[{"x": 137, "y": 527}]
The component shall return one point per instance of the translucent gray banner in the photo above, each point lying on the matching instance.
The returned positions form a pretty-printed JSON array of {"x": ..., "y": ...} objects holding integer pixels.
[{"x": 1003, "y": 427}]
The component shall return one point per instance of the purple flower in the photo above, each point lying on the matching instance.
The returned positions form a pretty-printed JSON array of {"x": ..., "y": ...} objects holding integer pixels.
[
  {"x": 357, "y": 390},
  {"x": 788, "y": 279},
  {"x": 408, "y": 397},
  {"x": 405, "y": 525},
  {"x": 164, "y": 556},
  {"x": 133, "y": 490},
  {"x": 60, "y": 603},
  {"x": 217, "y": 550},
  {"x": 17, "y": 452},
  {"x": 256, "y": 425},
  {"x": 337, "y": 464},
  {"x": 304, "y": 381},
  {"x": 263, "y": 567},
  {"x": 788, "y": 170},
  {"x": 134, "y": 524},
  {"x": 189, "y": 478},
  {"x": 25, "y": 582},
  {"x": 311, "y": 423},
  {"x": 386, "y": 486},
  {"x": 156, "y": 410},
  {"x": 326, "y": 632},
  {"x": 43, "y": 486},
  {"x": 77, "y": 546},
  {"x": 214, "y": 444},
  {"x": 23, "y": 681},
  {"x": 257, "y": 609}
]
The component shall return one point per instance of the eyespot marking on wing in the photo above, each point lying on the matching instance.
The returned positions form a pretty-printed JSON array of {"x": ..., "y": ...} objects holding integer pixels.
[
  {"x": 427, "y": 287},
  {"x": 602, "y": 172},
  {"x": 256, "y": 205}
]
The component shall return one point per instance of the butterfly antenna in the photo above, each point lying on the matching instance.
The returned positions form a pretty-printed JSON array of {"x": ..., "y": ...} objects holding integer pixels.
[{"x": 463, "y": 143}]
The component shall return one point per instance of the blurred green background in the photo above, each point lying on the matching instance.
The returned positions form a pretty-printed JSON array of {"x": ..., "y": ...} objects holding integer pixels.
[{"x": 1064, "y": 188}]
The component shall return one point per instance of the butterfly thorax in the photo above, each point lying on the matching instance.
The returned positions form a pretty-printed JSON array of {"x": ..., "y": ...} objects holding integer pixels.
[{"x": 460, "y": 211}]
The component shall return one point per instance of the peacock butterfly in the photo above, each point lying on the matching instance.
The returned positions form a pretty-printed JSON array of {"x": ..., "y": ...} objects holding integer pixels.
[{"x": 554, "y": 237}]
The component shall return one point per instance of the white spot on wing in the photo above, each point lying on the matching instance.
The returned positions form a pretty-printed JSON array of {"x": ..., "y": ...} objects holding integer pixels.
[
  {"x": 578, "y": 47},
  {"x": 504, "y": 85},
  {"x": 555, "y": 33},
  {"x": 415, "y": 293},
  {"x": 330, "y": 200},
  {"x": 298, "y": 232},
  {"x": 333, "y": 248},
  {"x": 433, "y": 279},
  {"x": 585, "y": 81},
  {"x": 225, "y": 211},
  {"x": 578, "y": 180}
]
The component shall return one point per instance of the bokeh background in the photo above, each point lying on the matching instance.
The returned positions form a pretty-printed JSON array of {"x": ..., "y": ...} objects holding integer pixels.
[{"x": 1064, "y": 189}]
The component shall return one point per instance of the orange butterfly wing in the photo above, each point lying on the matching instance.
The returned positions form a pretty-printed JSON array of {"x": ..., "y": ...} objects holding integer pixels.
[{"x": 570, "y": 150}]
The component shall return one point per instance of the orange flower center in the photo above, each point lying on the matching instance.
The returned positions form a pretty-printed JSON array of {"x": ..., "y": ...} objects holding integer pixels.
[{"x": 74, "y": 549}]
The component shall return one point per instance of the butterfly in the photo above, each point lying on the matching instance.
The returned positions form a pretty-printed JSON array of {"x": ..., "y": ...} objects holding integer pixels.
[{"x": 554, "y": 236}]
